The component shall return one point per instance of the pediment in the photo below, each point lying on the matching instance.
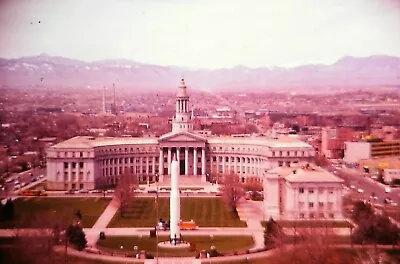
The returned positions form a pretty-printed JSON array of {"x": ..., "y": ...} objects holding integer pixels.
[{"x": 181, "y": 137}]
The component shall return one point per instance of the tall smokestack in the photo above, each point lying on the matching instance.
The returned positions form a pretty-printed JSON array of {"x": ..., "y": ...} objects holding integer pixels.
[
  {"x": 114, "y": 92},
  {"x": 114, "y": 103},
  {"x": 104, "y": 99}
]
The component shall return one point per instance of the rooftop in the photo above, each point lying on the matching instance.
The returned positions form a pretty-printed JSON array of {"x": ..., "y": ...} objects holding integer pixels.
[
  {"x": 305, "y": 173},
  {"x": 90, "y": 142}
]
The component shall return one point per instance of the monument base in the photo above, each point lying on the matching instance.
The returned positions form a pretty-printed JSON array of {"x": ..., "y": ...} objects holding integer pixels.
[{"x": 170, "y": 245}]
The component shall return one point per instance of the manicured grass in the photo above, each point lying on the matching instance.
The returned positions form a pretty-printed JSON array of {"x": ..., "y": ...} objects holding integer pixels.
[
  {"x": 47, "y": 212},
  {"x": 312, "y": 223},
  {"x": 206, "y": 212},
  {"x": 223, "y": 244}
]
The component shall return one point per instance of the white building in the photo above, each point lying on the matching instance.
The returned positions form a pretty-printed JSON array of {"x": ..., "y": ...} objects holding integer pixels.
[
  {"x": 356, "y": 151},
  {"x": 365, "y": 149},
  {"x": 86, "y": 162},
  {"x": 302, "y": 191}
]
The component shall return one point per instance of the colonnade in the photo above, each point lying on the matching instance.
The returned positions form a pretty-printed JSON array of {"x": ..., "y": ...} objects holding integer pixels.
[{"x": 190, "y": 155}]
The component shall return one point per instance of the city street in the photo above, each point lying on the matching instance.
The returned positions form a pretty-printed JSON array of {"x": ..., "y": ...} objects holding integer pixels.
[
  {"x": 23, "y": 180},
  {"x": 356, "y": 179}
]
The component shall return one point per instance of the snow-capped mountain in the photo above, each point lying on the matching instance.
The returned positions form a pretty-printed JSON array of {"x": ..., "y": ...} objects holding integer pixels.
[{"x": 58, "y": 71}]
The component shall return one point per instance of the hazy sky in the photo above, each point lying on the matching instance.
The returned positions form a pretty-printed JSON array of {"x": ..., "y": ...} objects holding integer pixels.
[{"x": 201, "y": 33}]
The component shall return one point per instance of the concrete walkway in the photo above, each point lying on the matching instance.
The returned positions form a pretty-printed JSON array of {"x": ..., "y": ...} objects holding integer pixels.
[
  {"x": 92, "y": 234},
  {"x": 251, "y": 212}
]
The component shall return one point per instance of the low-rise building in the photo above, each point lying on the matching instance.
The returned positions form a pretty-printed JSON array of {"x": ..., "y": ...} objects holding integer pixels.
[
  {"x": 367, "y": 149},
  {"x": 302, "y": 191}
]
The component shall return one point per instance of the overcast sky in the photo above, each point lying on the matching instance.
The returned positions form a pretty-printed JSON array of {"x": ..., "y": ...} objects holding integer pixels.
[{"x": 201, "y": 33}]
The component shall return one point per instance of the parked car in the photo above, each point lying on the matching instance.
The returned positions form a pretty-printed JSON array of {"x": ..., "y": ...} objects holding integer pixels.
[
  {"x": 83, "y": 191},
  {"x": 70, "y": 192}
]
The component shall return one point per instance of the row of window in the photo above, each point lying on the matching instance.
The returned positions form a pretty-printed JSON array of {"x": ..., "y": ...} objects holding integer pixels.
[
  {"x": 73, "y": 154},
  {"x": 238, "y": 159},
  {"x": 74, "y": 176},
  {"x": 235, "y": 148},
  {"x": 119, "y": 170},
  {"x": 311, "y": 190},
  {"x": 312, "y": 204},
  {"x": 295, "y": 153},
  {"x": 73, "y": 165},
  {"x": 127, "y": 160},
  {"x": 239, "y": 169},
  {"x": 129, "y": 150},
  {"x": 313, "y": 215}
]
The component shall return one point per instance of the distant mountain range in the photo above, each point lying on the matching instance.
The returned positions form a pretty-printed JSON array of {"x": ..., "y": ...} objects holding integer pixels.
[{"x": 44, "y": 70}]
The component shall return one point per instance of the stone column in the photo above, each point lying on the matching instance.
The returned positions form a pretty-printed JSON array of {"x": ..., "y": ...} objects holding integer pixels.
[
  {"x": 203, "y": 161},
  {"x": 154, "y": 165},
  {"x": 195, "y": 161},
  {"x": 147, "y": 166},
  {"x": 235, "y": 164},
  {"x": 141, "y": 166},
  {"x": 186, "y": 160},
  {"x": 169, "y": 161},
  {"x": 161, "y": 163},
  {"x": 69, "y": 175},
  {"x": 241, "y": 165},
  {"x": 223, "y": 164}
]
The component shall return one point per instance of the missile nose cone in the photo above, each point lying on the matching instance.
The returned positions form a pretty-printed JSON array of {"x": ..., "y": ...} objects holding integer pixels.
[{"x": 174, "y": 158}]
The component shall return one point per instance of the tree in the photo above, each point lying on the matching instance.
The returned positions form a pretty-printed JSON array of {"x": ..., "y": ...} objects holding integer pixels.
[
  {"x": 272, "y": 234},
  {"x": 376, "y": 229},
  {"x": 125, "y": 191},
  {"x": 361, "y": 211},
  {"x": 7, "y": 210},
  {"x": 76, "y": 236},
  {"x": 232, "y": 190},
  {"x": 373, "y": 228}
]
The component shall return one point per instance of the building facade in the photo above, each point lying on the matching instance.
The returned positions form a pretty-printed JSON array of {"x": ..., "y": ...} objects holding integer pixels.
[
  {"x": 85, "y": 162},
  {"x": 302, "y": 191},
  {"x": 356, "y": 151}
]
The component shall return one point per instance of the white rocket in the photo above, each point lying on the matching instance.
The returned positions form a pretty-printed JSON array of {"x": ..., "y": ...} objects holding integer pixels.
[{"x": 175, "y": 204}]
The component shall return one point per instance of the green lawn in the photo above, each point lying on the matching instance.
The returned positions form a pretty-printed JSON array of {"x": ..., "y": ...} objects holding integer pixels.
[
  {"x": 206, "y": 212},
  {"x": 223, "y": 244},
  {"x": 312, "y": 223},
  {"x": 46, "y": 212}
]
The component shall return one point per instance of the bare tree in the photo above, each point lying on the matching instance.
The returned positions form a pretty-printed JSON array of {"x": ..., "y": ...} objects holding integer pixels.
[
  {"x": 310, "y": 245},
  {"x": 35, "y": 245},
  {"x": 232, "y": 190},
  {"x": 125, "y": 191}
]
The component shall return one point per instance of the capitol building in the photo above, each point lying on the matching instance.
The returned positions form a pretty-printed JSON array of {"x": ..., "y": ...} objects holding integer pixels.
[{"x": 86, "y": 162}]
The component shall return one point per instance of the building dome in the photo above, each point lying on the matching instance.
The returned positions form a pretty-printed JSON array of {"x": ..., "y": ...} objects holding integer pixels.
[{"x": 182, "y": 89}]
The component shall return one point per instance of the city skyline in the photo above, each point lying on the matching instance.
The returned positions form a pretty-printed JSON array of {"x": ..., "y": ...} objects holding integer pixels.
[{"x": 201, "y": 34}]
